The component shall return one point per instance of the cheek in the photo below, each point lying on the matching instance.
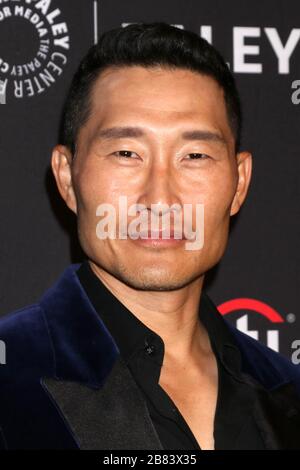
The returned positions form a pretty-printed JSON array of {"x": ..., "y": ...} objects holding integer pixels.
[
  {"x": 218, "y": 198},
  {"x": 95, "y": 187}
]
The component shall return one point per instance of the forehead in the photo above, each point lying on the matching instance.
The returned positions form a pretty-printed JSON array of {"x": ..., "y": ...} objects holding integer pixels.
[{"x": 159, "y": 96}]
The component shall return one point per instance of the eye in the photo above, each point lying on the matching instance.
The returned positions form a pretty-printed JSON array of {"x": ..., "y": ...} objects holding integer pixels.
[
  {"x": 199, "y": 156},
  {"x": 126, "y": 152}
]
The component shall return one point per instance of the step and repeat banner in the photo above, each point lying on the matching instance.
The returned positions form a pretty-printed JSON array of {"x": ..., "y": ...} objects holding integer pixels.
[{"x": 256, "y": 285}]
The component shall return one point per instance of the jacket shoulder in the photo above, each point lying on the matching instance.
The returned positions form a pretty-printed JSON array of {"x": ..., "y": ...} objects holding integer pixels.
[
  {"x": 29, "y": 419},
  {"x": 19, "y": 322},
  {"x": 267, "y": 365},
  {"x": 26, "y": 344}
]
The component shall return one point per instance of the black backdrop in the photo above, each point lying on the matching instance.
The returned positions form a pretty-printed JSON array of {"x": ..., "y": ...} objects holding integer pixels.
[{"x": 257, "y": 282}]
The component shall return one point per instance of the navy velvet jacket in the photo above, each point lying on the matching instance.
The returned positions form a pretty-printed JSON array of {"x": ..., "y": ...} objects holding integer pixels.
[{"x": 65, "y": 385}]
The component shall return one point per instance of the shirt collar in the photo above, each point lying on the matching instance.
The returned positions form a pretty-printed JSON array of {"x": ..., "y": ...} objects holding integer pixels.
[{"x": 131, "y": 335}]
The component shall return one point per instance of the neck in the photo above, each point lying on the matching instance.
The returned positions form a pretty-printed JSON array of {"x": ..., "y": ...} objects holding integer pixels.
[{"x": 173, "y": 315}]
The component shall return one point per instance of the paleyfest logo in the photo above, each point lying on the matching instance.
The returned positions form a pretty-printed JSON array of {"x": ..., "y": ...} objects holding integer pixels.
[{"x": 47, "y": 39}]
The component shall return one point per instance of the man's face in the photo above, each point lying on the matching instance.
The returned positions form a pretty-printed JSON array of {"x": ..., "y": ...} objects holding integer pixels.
[{"x": 158, "y": 168}]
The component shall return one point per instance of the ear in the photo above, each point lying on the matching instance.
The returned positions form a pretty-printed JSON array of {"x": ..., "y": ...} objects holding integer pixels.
[
  {"x": 61, "y": 163},
  {"x": 244, "y": 162}
]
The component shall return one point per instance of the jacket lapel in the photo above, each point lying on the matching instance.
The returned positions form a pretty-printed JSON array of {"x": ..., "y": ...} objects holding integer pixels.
[
  {"x": 114, "y": 416},
  {"x": 91, "y": 385}
]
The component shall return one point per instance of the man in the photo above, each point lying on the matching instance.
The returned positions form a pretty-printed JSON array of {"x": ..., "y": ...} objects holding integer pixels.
[{"x": 126, "y": 350}]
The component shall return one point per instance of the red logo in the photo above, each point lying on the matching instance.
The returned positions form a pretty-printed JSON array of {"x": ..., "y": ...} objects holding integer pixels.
[
  {"x": 242, "y": 304},
  {"x": 251, "y": 304}
]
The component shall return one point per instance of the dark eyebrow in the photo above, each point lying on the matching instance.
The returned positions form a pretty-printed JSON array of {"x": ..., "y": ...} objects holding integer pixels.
[
  {"x": 122, "y": 132},
  {"x": 199, "y": 134}
]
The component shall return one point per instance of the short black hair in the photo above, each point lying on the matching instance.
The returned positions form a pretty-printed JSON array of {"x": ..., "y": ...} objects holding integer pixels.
[{"x": 146, "y": 45}]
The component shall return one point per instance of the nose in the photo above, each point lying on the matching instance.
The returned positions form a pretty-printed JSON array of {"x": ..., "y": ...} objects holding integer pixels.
[
  {"x": 161, "y": 197},
  {"x": 160, "y": 190}
]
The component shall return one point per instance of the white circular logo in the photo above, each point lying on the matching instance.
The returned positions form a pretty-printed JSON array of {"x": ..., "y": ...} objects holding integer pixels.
[{"x": 34, "y": 43}]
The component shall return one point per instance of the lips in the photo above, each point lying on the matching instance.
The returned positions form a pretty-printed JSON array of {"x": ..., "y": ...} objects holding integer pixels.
[{"x": 159, "y": 234}]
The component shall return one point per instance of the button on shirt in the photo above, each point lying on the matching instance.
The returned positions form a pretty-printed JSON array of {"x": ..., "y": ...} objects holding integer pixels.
[{"x": 143, "y": 352}]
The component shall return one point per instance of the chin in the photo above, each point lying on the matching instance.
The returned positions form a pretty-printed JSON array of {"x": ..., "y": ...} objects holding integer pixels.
[{"x": 155, "y": 280}]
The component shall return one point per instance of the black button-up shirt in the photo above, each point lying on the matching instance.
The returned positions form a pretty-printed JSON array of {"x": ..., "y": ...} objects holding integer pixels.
[{"x": 143, "y": 351}]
